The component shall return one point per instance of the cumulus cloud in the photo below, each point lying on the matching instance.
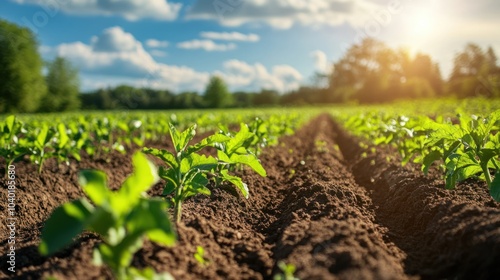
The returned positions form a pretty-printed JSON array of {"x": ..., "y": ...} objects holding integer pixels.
[
  {"x": 321, "y": 63},
  {"x": 117, "y": 53},
  {"x": 283, "y": 14},
  {"x": 239, "y": 74},
  {"x": 153, "y": 43},
  {"x": 158, "y": 53},
  {"x": 129, "y": 9},
  {"x": 116, "y": 57},
  {"x": 230, "y": 36},
  {"x": 207, "y": 45}
]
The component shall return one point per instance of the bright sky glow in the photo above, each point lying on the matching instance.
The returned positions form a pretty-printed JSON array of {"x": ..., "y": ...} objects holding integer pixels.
[{"x": 254, "y": 44}]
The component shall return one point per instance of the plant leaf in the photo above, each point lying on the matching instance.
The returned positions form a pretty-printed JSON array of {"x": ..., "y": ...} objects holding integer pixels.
[
  {"x": 94, "y": 185},
  {"x": 429, "y": 159},
  {"x": 65, "y": 223},
  {"x": 145, "y": 175},
  {"x": 495, "y": 187},
  {"x": 236, "y": 181}
]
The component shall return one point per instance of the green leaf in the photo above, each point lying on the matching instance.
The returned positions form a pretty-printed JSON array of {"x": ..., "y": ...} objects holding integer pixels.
[
  {"x": 212, "y": 140},
  {"x": 94, "y": 185},
  {"x": 10, "y": 121},
  {"x": 42, "y": 137},
  {"x": 170, "y": 176},
  {"x": 468, "y": 171},
  {"x": 63, "y": 136},
  {"x": 180, "y": 140},
  {"x": 65, "y": 223},
  {"x": 150, "y": 217},
  {"x": 235, "y": 181},
  {"x": 429, "y": 159},
  {"x": 495, "y": 187},
  {"x": 248, "y": 159},
  {"x": 198, "y": 184},
  {"x": 164, "y": 155},
  {"x": 239, "y": 139},
  {"x": 174, "y": 135},
  {"x": 145, "y": 175},
  {"x": 196, "y": 161}
]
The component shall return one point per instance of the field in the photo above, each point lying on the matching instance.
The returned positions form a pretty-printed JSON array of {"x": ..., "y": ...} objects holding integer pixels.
[{"x": 406, "y": 191}]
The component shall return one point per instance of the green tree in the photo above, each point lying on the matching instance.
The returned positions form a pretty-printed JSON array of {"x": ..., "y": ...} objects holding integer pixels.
[
  {"x": 475, "y": 72},
  {"x": 372, "y": 72},
  {"x": 22, "y": 86},
  {"x": 63, "y": 86},
  {"x": 216, "y": 94}
]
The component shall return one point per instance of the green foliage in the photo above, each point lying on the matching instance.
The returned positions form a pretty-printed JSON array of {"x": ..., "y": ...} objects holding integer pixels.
[
  {"x": 188, "y": 170},
  {"x": 199, "y": 256},
  {"x": 475, "y": 72},
  {"x": 12, "y": 147},
  {"x": 288, "y": 271},
  {"x": 68, "y": 136},
  {"x": 372, "y": 72},
  {"x": 468, "y": 148},
  {"x": 21, "y": 82},
  {"x": 216, "y": 94},
  {"x": 122, "y": 218},
  {"x": 63, "y": 87}
]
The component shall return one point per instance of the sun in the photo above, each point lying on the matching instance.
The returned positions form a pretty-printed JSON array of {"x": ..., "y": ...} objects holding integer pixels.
[{"x": 422, "y": 23}]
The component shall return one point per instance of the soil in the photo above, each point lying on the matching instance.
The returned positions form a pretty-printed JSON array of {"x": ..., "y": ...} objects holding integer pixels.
[{"x": 327, "y": 207}]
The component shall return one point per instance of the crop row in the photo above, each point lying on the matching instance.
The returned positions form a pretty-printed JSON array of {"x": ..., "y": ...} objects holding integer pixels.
[
  {"x": 64, "y": 138},
  {"x": 462, "y": 146},
  {"x": 124, "y": 218}
]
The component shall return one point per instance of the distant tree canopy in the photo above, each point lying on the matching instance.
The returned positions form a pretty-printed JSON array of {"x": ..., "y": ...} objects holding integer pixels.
[
  {"x": 217, "y": 94},
  {"x": 63, "y": 87},
  {"x": 22, "y": 86},
  {"x": 475, "y": 72},
  {"x": 372, "y": 72}
]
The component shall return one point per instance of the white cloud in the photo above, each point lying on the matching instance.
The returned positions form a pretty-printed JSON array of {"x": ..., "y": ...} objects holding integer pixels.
[
  {"x": 283, "y": 14},
  {"x": 129, "y": 9},
  {"x": 116, "y": 57},
  {"x": 153, "y": 43},
  {"x": 239, "y": 74},
  {"x": 158, "y": 53},
  {"x": 117, "y": 53},
  {"x": 321, "y": 63},
  {"x": 230, "y": 36},
  {"x": 207, "y": 45}
]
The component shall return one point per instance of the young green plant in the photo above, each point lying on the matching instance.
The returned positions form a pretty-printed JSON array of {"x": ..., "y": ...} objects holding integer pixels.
[
  {"x": 188, "y": 170},
  {"x": 122, "y": 218}
]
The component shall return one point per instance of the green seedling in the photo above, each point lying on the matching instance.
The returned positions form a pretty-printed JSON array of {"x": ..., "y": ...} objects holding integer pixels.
[
  {"x": 11, "y": 146},
  {"x": 39, "y": 151},
  {"x": 122, "y": 218},
  {"x": 287, "y": 272},
  {"x": 188, "y": 170},
  {"x": 199, "y": 256}
]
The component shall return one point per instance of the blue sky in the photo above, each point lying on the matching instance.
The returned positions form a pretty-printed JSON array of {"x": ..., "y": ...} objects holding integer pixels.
[{"x": 252, "y": 44}]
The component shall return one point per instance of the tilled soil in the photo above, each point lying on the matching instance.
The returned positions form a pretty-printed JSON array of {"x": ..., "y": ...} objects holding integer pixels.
[{"x": 325, "y": 207}]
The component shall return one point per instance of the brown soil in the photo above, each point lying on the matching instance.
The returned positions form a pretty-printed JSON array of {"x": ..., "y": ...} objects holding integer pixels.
[{"x": 323, "y": 207}]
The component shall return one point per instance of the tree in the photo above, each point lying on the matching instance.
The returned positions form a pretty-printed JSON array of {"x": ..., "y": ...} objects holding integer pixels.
[
  {"x": 216, "y": 94},
  {"x": 475, "y": 72},
  {"x": 22, "y": 86},
  {"x": 372, "y": 72},
  {"x": 63, "y": 86}
]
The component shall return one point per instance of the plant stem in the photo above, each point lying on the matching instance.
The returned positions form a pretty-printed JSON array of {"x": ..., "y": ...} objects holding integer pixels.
[
  {"x": 41, "y": 165},
  {"x": 178, "y": 211},
  {"x": 487, "y": 175}
]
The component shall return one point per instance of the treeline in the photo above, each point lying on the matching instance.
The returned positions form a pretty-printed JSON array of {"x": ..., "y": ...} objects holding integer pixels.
[
  {"x": 368, "y": 72},
  {"x": 127, "y": 97},
  {"x": 372, "y": 72},
  {"x": 23, "y": 86}
]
